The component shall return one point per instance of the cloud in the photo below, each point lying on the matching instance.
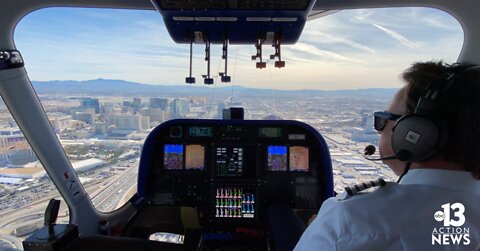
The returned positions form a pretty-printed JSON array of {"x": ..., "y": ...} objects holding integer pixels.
[
  {"x": 397, "y": 36},
  {"x": 438, "y": 22},
  {"x": 361, "y": 15},
  {"x": 337, "y": 39},
  {"x": 313, "y": 50}
]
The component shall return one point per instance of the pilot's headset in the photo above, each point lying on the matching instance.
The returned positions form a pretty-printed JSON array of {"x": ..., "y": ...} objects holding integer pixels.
[{"x": 420, "y": 135}]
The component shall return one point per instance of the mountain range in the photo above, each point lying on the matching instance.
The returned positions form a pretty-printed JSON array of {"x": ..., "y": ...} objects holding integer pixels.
[{"x": 124, "y": 88}]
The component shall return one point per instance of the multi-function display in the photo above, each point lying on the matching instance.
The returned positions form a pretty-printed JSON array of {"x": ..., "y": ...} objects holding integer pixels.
[
  {"x": 229, "y": 161},
  {"x": 173, "y": 157},
  {"x": 194, "y": 157},
  {"x": 277, "y": 158},
  {"x": 298, "y": 158}
]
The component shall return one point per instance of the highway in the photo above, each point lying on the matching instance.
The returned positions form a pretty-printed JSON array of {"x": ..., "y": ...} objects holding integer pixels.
[
  {"x": 106, "y": 199},
  {"x": 105, "y": 195}
]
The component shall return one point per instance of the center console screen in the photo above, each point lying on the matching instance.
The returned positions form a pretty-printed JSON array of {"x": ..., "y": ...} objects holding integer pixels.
[{"x": 229, "y": 161}]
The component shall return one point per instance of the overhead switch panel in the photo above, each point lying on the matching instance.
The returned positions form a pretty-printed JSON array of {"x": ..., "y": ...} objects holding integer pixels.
[{"x": 239, "y": 21}]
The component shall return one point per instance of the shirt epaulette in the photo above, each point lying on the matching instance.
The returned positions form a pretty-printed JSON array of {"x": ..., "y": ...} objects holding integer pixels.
[{"x": 352, "y": 190}]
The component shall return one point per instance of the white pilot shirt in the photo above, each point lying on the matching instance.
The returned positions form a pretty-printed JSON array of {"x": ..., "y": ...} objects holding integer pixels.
[{"x": 405, "y": 216}]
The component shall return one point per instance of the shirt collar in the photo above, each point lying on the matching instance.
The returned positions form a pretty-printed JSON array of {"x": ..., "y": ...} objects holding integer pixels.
[{"x": 449, "y": 179}]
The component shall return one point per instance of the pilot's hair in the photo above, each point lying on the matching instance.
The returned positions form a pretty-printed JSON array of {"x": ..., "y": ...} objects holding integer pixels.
[{"x": 461, "y": 110}]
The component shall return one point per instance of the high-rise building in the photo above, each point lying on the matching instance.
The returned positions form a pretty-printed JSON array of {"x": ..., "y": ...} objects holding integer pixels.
[
  {"x": 156, "y": 115},
  {"x": 220, "y": 107},
  {"x": 178, "y": 108},
  {"x": 145, "y": 122},
  {"x": 107, "y": 108},
  {"x": 90, "y": 103},
  {"x": 101, "y": 128},
  {"x": 161, "y": 103},
  {"x": 86, "y": 117},
  {"x": 127, "y": 106},
  {"x": 137, "y": 104},
  {"x": 60, "y": 123},
  {"x": 129, "y": 122}
]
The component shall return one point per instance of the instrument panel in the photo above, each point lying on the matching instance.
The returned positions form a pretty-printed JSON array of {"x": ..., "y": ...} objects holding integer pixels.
[{"x": 232, "y": 170}]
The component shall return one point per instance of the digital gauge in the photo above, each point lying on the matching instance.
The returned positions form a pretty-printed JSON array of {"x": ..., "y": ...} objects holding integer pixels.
[
  {"x": 270, "y": 132},
  {"x": 200, "y": 131}
]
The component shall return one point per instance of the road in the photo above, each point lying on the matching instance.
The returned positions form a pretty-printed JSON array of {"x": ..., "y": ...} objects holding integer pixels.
[
  {"x": 10, "y": 241},
  {"x": 108, "y": 197},
  {"x": 268, "y": 107},
  {"x": 105, "y": 196}
]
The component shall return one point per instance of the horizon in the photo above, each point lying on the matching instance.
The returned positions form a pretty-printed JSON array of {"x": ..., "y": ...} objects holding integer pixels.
[{"x": 212, "y": 87}]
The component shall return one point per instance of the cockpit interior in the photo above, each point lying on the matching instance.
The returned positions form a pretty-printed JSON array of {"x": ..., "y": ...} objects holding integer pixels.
[
  {"x": 225, "y": 174},
  {"x": 203, "y": 184}
]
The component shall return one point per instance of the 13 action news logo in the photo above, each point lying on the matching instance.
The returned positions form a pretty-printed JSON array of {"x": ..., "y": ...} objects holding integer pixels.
[{"x": 452, "y": 232}]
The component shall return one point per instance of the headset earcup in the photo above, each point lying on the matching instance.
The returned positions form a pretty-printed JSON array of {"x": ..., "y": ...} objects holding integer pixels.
[{"x": 417, "y": 137}]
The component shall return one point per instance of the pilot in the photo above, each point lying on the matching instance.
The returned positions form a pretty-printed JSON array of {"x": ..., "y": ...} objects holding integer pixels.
[{"x": 435, "y": 206}]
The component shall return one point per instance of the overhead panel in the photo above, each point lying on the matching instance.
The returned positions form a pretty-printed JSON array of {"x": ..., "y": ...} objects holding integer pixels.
[{"x": 239, "y": 21}]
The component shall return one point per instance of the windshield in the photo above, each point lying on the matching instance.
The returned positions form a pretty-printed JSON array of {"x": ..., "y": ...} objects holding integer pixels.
[{"x": 107, "y": 77}]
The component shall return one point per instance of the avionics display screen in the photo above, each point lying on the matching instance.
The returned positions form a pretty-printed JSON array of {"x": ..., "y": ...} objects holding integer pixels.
[
  {"x": 173, "y": 157},
  {"x": 194, "y": 157},
  {"x": 270, "y": 132},
  {"x": 299, "y": 158},
  {"x": 229, "y": 161},
  {"x": 277, "y": 158},
  {"x": 232, "y": 202},
  {"x": 200, "y": 131}
]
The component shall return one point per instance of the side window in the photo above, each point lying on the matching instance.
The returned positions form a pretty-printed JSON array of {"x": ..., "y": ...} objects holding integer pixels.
[
  {"x": 102, "y": 143},
  {"x": 25, "y": 188}
]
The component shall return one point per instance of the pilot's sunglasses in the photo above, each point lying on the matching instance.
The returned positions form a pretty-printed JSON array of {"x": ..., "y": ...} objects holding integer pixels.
[{"x": 381, "y": 119}]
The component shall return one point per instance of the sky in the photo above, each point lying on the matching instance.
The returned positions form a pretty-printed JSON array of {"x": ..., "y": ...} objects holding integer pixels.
[{"x": 351, "y": 49}]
